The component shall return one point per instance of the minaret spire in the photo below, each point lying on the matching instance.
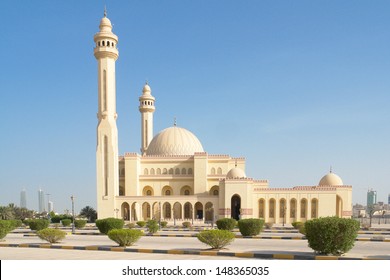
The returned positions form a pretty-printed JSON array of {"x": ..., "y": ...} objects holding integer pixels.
[
  {"x": 146, "y": 108},
  {"x": 105, "y": 11}
]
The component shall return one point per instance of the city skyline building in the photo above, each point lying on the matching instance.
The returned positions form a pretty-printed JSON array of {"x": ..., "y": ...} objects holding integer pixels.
[
  {"x": 41, "y": 201},
  {"x": 371, "y": 197},
  {"x": 23, "y": 198}
]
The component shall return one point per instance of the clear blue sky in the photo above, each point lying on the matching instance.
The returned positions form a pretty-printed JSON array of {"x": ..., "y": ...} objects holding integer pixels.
[{"x": 292, "y": 86}]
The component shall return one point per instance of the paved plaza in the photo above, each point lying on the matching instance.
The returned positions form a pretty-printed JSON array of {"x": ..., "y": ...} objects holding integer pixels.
[{"x": 172, "y": 244}]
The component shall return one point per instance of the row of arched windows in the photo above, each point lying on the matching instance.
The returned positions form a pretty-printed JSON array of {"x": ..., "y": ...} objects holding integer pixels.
[
  {"x": 168, "y": 190},
  {"x": 105, "y": 44},
  {"x": 147, "y": 103},
  {"x": 214, "y": 171},
  {"x": 166, "y": 171},
  {"x": 291, "y": 211}
]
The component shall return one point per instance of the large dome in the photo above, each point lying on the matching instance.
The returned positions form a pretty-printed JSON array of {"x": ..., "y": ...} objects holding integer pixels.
[
  {"x": 236, "y": 173},
  {"x": 331, "y": 179},
  {"x": 174, "y": 141}
]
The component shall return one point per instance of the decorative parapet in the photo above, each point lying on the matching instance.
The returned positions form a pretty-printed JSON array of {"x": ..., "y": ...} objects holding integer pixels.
[{"x": 219, "y": 156}]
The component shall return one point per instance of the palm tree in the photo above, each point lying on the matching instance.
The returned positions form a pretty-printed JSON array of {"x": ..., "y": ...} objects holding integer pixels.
[
  {"x": 6, "y": 213},
  {"x": 89, "y": 213}
]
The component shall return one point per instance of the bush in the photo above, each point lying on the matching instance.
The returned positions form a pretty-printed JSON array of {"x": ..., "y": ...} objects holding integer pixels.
[
  {"x": 186, "y": 224},
  {"x": 164, "y": 224},
  {"x": 79, "y": 224},
  {"x": 58, "y": 218},
  {"x": 268, "y": 225},
  {"x": 216, "y": 238},
  {"x": 131, "y": 225},
  {"x": 226, "y": 223},
  {"x": 250, "y": 227},
  {"x": 16, "y": 223},
  {"x": 300, "y": 226},
  {"x": 141, "y": 223},
  {"x": 152, "y": 226},
  {"x": 331, "y": 235},
  {"x": 125, "y": 237},
  {"x": 66, "y": 222},
  {"x": 105, "y": 225},
  {"x": 51, "y": 235},
  {"x": 5, "y": 228},
  {"x": 38, "y": 224}
]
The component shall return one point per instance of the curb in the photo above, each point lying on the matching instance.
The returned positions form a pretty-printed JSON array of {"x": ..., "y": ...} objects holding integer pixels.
[{"x": 189, "y": 252}]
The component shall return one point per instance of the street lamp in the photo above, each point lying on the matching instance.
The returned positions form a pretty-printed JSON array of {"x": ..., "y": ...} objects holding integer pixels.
[
  {"x": 159, "y": 215},
  {"x": 73, "y": 226},
  {"x": 174, "y": 217},
  {"x": 192, "y": 214},
  {"x": 284, "y": 214}
]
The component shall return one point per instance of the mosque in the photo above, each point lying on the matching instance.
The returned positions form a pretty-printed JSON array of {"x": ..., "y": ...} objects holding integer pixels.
[{"x": 175, "y": 179}]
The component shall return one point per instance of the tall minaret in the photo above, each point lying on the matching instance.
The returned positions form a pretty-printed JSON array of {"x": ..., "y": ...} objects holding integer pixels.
[
  {"x": 107, "y": 180},
  {"x": 146, "y": 107}
]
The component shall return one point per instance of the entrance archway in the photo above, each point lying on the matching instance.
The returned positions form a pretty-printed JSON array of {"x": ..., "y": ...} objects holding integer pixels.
[{"x": 236, "y": 206}]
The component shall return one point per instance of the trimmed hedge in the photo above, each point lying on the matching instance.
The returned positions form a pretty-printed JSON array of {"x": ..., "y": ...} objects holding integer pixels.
[
  {"x": 125, "y": 237},
  {"x": 300, "y": 226},
  {"x": 250, "y": 227},
  {"x": 164, "y": 224},
  {"x": 5, "y": 228},
  {"x": 51, "y": 235},
  {"x": 131, "y": 225},
  {"x": 152, "y": 226},
  {"x": 187, "y": 224},
  {"x": 216, "y": 238},
  {"x": 66, "y": 222},
  {"x": 79, "y": 224},
  {"x": 38, "y": 224},
  {"x": 331, "y": 235},
  {"x": 105, "y": 225},
  {"x": 141, "y": 223},
  {"x": 226, "y": 223}
]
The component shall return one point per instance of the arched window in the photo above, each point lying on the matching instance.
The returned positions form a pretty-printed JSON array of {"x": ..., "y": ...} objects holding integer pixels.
[
  {"x": 314, "y": 208},
  {"x": 186, "y": 192},
  {"x": 146, "y": 172},
  {"x": 170, "y": 170},
  {"x": 177, "y": 171},
  {"x": 165, "y": 171},
  {"x": 183, "y": 171},
  {"x": 190, "y": 171},
  {"x": 303, "y": 208},
  {"x": 293, "y": 208},
  {"x": 152, "y": 171},
  {"x": 219, "y": 171},
  {"x": 103, "y": 43},
  {"x": 99, "y": 44},
  {"x": 272, "y": 208},
  {"x": 167, "y": 192},
  {"x": 282, "y": 208},
  {"x": 148, "y": 192},
  {"x": 213, "y": 171},
  {"x": 261, "y": 208},
  {"x": 215, "y": 192},
  {"x": 158, "y": 171}
]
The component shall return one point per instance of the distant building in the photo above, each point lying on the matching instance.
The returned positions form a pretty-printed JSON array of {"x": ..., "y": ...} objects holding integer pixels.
[
  {"x": 51, "y": 206},
  {"x": 41, "y": 201},
  {"x": 388, "y": 199},
  {"x": 371, "y": 197},
  {"x": 23, "y": 199}
]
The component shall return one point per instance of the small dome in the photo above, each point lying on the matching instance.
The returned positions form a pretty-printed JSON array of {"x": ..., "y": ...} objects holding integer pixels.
[
  {"x": 105, "y": 25},
  {"x": 236, "y": 173},
  {"x": 146, "y": 89},
  {"x": 331, "y": 179},
  {"x": 174, "y": 141}
]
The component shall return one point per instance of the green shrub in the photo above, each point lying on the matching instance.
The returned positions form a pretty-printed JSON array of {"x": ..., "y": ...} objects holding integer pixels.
[
  {"x": 216, "y": 238},
  {"x": 250, "y": 227},
  {"x": 26, "y": 222},
  {"x": 141, "y": 223},
  {"x": 59, "y": 218},
  {"x": 66, "y": 222},
  {"x": 51, "y": 235},
  {"x": 268, "y": 225},
  {"x": 186, "y": 224},
  {"x": 105, "y": 225},
  {"x": 164, "y": 224},
  {"x": 226, "y": 223},
  {"x": 131, "y": 225},
  {"x": 38, "y": 224},
  {"x": 5, "y": 228},
  {"x": 79, "y": 224},
  {"x": 125, "y": 237},
  {"x": 152, "y": 226},
  {"x": 300, "y": 226},
  {"x": 331, "y": 235},
  {"x": 16, "y": 223}
]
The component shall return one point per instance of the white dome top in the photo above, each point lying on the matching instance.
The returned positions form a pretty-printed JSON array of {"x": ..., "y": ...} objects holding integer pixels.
[
  {"x": 174, "y": 141},
  {"x": 146, "y": 90},
  {"x": 331, "y": 179},
  {"x": 236, "y": 173}
]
